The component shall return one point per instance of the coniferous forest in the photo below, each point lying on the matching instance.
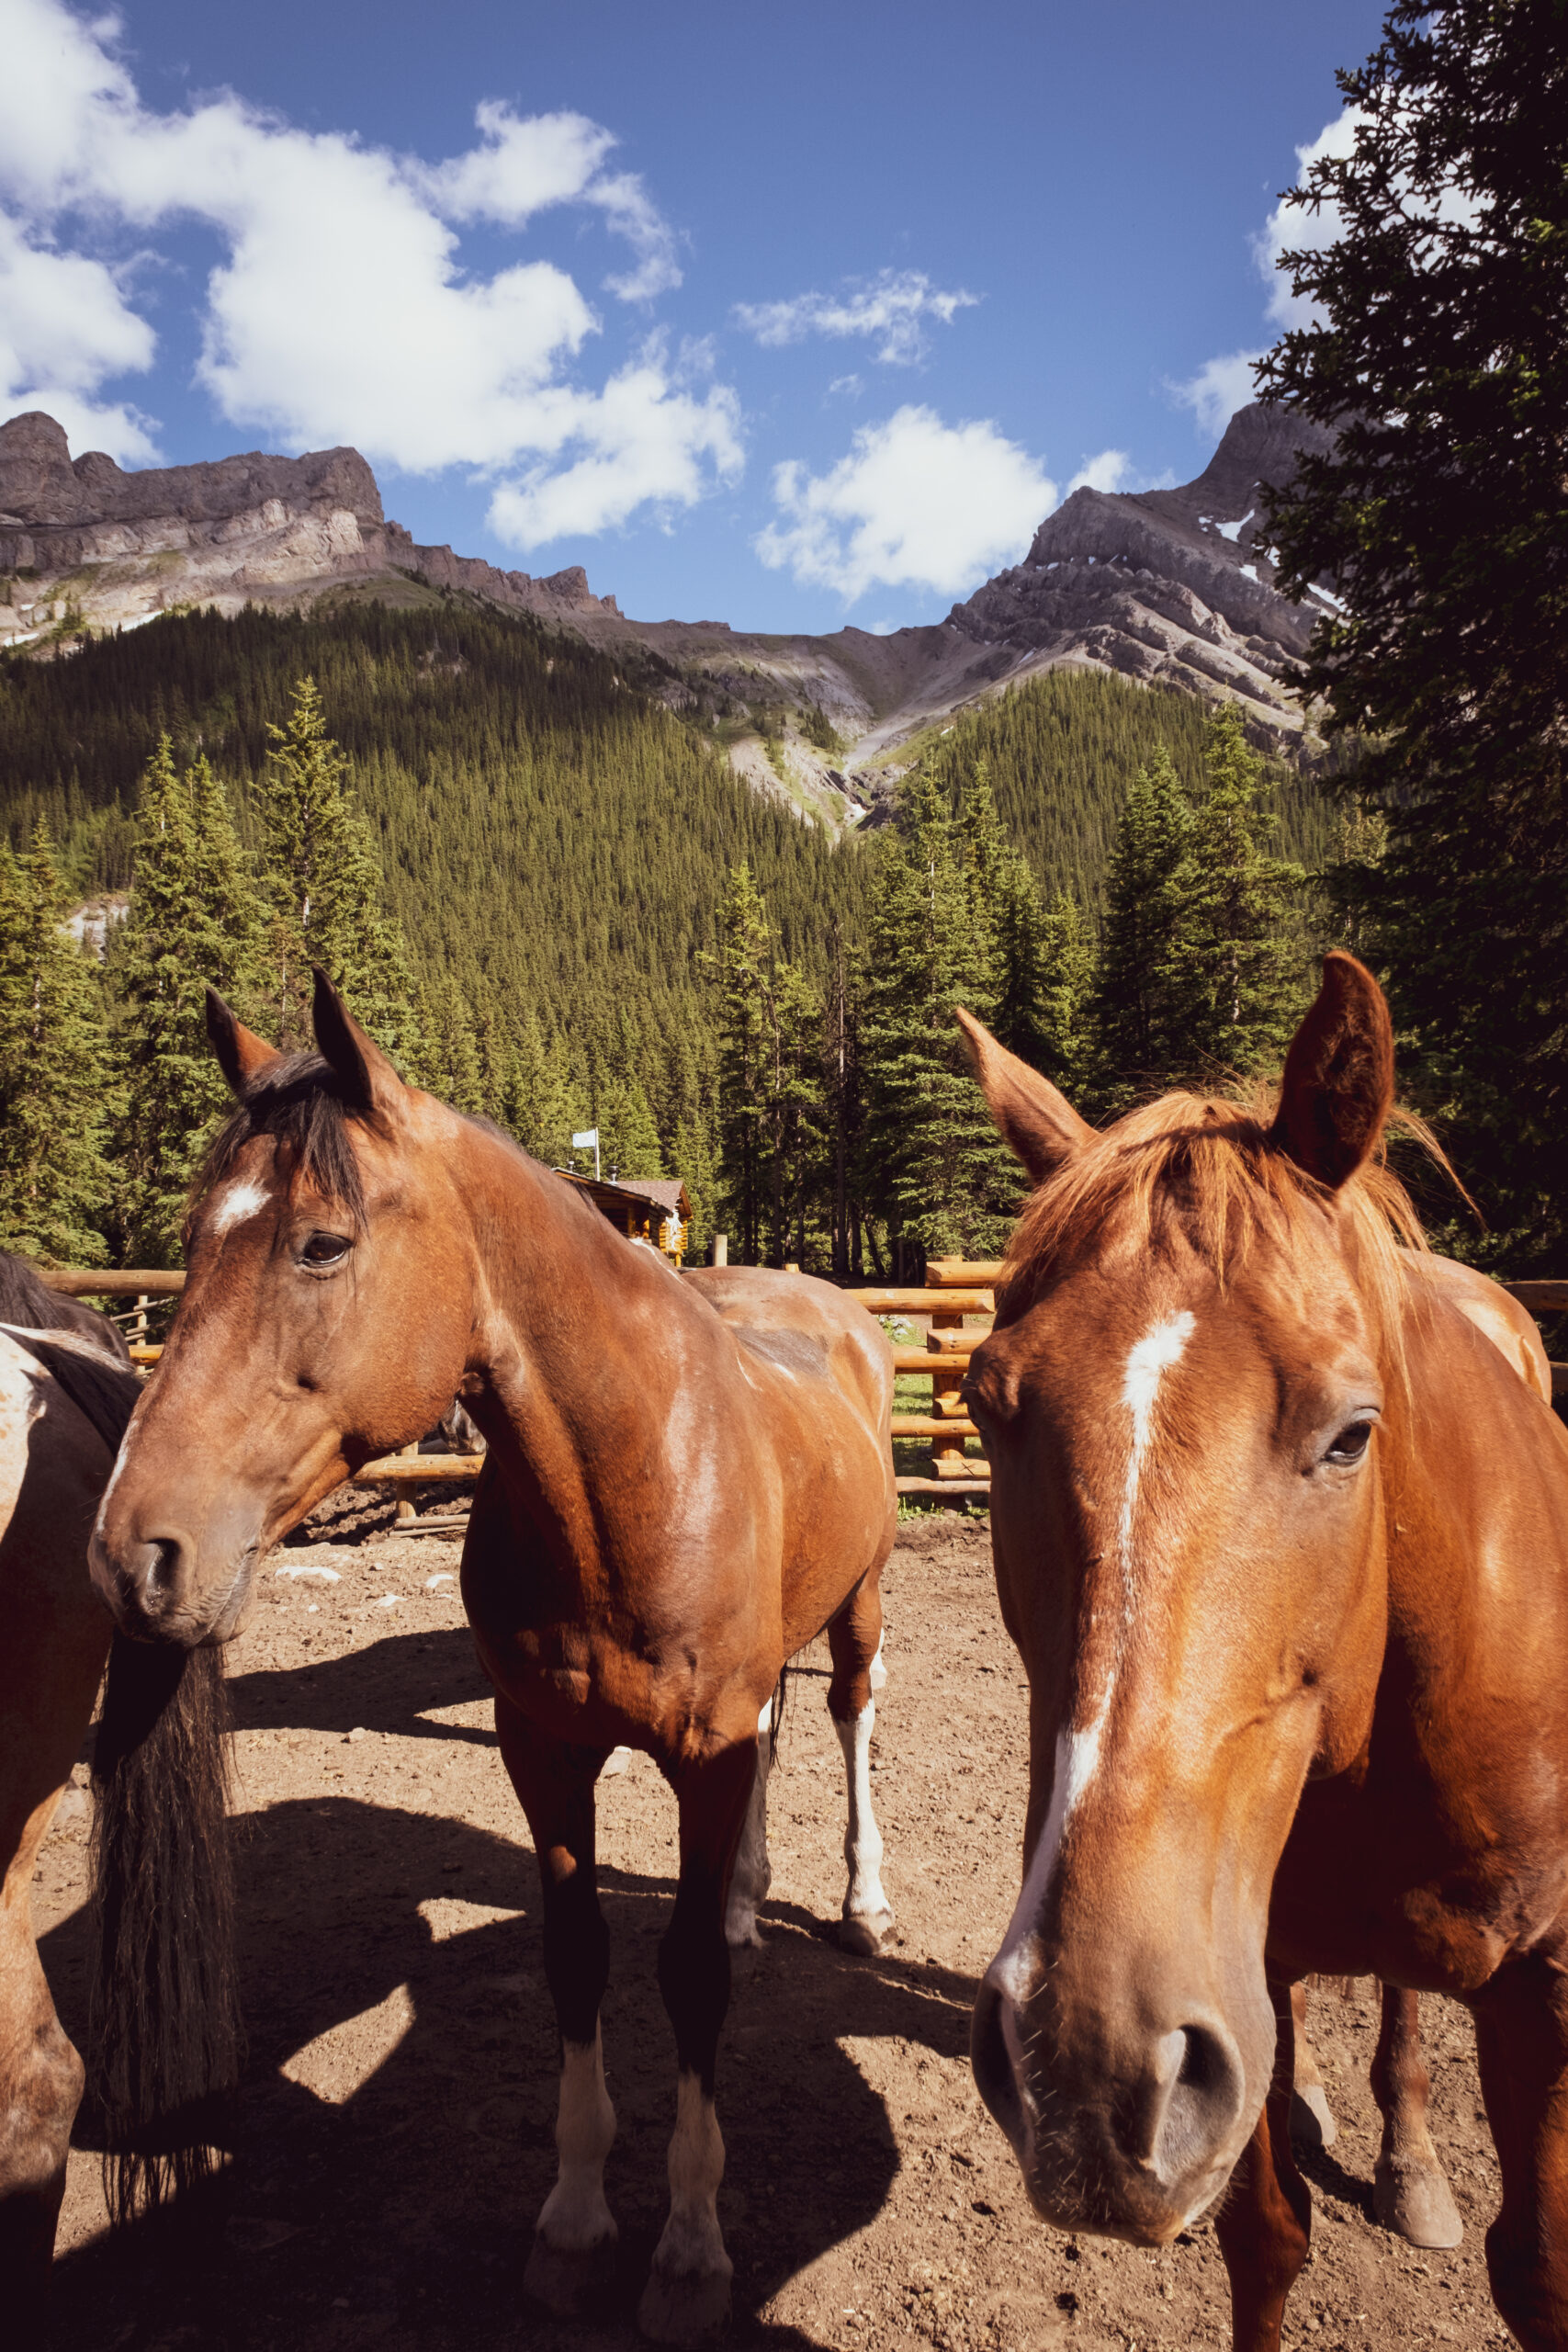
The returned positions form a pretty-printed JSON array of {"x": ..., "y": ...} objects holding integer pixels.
[{"x": 548, "y": 894}]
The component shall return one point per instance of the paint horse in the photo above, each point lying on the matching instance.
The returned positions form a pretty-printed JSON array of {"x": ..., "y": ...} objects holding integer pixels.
[
  {"x": 66, "y": 1393},
  {"x": 685, "y": 1480},
  {"x": 1283, "y": 1540}
]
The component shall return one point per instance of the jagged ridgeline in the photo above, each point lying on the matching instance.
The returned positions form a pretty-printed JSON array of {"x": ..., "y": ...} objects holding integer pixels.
[{"x": 546, "y": 824}]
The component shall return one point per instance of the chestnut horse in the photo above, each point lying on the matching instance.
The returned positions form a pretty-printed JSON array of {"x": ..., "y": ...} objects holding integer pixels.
[
  {"x": 1283, "y": 1540},
  {"x": 66, "y": 1393},
  {"x": 687, "y": 1480}
]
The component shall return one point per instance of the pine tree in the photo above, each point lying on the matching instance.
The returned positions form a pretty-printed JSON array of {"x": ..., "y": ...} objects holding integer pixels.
[
  {"x": 628, "y": 1140},
  {"x": 54, "y": 1181},
  {"x": 1146, "y": 994},
  {"x": 193, "y": 921},
  {"x": 1249, "y": 966},
  {"x": 327, "y": 893},
  {"x": 740, "y": 968},
  {"x": 933, "y": 1168}
]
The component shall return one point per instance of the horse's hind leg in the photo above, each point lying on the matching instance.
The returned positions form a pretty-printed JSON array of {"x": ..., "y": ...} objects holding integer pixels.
[
  {"x": 752, "y": 1874},
  {"x": 854, "y": 1637},
  {"x": 1410, "y": 2190},
  {"x": 687, "y": 2296},
  {"x": 1312, "y": 2118},
  {"x": 575, "y": 2233}
]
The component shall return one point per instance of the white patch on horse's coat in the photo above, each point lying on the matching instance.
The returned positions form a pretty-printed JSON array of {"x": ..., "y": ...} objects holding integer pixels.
[
  {"x": 692, "y": 2245},
  {"x": 864, "y": 1899},
  {"x": 1077, "y": 1752},
  {"x": 232, "y": 1206},
  {"x": 121, "y": 1458},
  {"x": 1148, "y": 1363},
  {"x": 877, "y": 1673},
  {"x": 574, "y": 2216},
  {"x": 328, "y": 1576}
]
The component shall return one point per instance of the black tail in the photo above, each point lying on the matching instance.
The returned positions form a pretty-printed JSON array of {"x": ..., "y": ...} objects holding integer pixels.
[{"x": 167, "y": 2039}]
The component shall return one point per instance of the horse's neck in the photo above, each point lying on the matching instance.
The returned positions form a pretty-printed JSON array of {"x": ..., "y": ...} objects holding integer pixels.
[{"x": 570, "y": 1313}]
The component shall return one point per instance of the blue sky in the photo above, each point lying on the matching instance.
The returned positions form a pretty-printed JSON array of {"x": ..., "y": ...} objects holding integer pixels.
[{"x": 785, "y": 317}]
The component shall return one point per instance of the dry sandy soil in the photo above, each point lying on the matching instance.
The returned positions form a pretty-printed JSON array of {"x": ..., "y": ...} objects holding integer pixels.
[{"x": 393, "y": 2141}]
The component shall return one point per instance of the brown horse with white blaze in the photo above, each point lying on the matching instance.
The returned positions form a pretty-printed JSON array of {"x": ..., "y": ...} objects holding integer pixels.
[
  {"x": 687, "y": 1480},
  {"x": 1283, "y": 1536}
]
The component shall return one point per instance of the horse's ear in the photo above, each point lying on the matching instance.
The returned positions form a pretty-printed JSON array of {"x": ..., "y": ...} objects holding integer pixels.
[
  {"x": 1037, "y": 1121},
  {"x": 1337, "y": 1089},
  {"x": 368, "y": 1081},
  {"x": 242, "y": 1056}
]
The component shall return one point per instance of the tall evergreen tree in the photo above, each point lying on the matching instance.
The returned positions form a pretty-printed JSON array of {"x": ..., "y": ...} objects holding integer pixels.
[
  {"x": 742, "y": 968},
  {"x": 933, "y": 1168},
  {"x": 323, "y": 878},
  {"x": 1435, "y": 350},
  {"x": 1144, "y": 1007},
  {"x": 193, "y": 920},
  {"x": 1247, "y": 949},
  {"x": 53, "y": 1071}
]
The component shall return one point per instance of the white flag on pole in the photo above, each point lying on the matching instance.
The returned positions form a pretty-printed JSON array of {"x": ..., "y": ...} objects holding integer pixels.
[{"x": 587, "y": 1141}]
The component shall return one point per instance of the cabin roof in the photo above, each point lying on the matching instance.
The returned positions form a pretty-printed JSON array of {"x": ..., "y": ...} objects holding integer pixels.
[{"x": 666, "y": 1193}]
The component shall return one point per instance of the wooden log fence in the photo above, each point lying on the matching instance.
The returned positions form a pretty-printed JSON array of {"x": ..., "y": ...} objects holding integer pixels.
[{"x": 954, "y": 1288}]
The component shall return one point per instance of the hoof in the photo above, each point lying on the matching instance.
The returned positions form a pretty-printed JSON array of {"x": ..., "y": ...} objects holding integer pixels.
[
  {"x": 863, "y": 1936},
  {"x": 740, "y": 1930},
  {"x": 571, "y": 2280},
  {"x": 1416, "y": 2203},
  {"x": 687, "y": 2310},
  {"x": 1312, "y": 2119}
]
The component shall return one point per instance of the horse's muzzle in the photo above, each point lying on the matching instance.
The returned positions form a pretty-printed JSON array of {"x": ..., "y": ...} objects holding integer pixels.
[
  {"x": 159, "y": 1588},
  {"x": 1131, "y": 2135}
]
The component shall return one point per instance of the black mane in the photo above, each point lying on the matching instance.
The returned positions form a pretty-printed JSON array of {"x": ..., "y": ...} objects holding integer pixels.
[{"x": 298, "y": 1101}]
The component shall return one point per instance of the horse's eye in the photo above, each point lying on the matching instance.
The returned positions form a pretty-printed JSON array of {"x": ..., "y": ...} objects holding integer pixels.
[
  {"x": 324, "y": 1249},
  {"x": 1352, "y": 1443}
]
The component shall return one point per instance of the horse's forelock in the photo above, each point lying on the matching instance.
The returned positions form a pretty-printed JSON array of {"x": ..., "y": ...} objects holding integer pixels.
[
  {"x": 297, "y": 1100},
  {"x": 1212, "y": 1169}
]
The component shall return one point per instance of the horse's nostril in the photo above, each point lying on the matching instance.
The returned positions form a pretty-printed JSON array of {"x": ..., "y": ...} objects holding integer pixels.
[
  {"x": 1203, "y": 2102},
  {"x": 995, "y": 2077},
  {"x": 162, "y": 1572}
]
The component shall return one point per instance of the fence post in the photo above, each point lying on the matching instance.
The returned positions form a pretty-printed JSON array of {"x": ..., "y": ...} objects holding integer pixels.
[
  {"x": 719, "y": 1252},
  {"x": 947, "y": 1453},
  {"x": 406, "y": 1509}
]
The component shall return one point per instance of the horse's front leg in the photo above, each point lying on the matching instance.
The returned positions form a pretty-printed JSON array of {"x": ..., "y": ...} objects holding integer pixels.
[
  {"x": 854, "y": 1637},
  {"x": 687, "y": 2296},
  {"x": 575, "y": 2234},
  {"x": 1410, "y": 2189},
  {"x": 752, "y": 1874},
  {"x": 1263, "y": 2225}
]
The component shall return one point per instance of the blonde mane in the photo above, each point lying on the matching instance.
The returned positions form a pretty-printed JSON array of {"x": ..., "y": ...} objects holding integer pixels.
[{"x": 1216, "y": 1171}]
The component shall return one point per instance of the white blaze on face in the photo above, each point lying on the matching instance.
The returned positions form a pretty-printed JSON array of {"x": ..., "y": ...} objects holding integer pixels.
[
  {"x": 1078, "y": 1752},
  {"x": 234, "y": 1203}
]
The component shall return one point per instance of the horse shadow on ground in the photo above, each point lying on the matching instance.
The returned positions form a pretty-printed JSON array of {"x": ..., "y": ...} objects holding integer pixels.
[{"x": 393, "y": 2138}]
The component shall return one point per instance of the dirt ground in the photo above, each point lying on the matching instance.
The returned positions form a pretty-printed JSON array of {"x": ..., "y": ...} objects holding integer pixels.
[{"x": 394, "y": 2142}]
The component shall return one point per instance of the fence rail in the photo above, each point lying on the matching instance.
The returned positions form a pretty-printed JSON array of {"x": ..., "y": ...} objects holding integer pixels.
[{"x": 954, "y": 1288}]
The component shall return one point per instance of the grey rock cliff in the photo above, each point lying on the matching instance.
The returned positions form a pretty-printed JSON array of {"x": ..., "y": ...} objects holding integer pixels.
[
  {"x": 117, "y": 547},
  {"x": 1173, "y": 587}
]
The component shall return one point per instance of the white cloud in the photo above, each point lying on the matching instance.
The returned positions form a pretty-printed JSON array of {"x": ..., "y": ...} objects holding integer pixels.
[
  {"x": 916, "y": 504},
  {"x": 1218, "y": 389},
  {"x": 1225, "y": 383},
  {"x": 890, "y": 309},
  {"x": 64, "y": 327},
  {"x": 1107, "y": 471},
  {"x": 341, "y": 310},
  {"x": 641, "y": 443}
]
